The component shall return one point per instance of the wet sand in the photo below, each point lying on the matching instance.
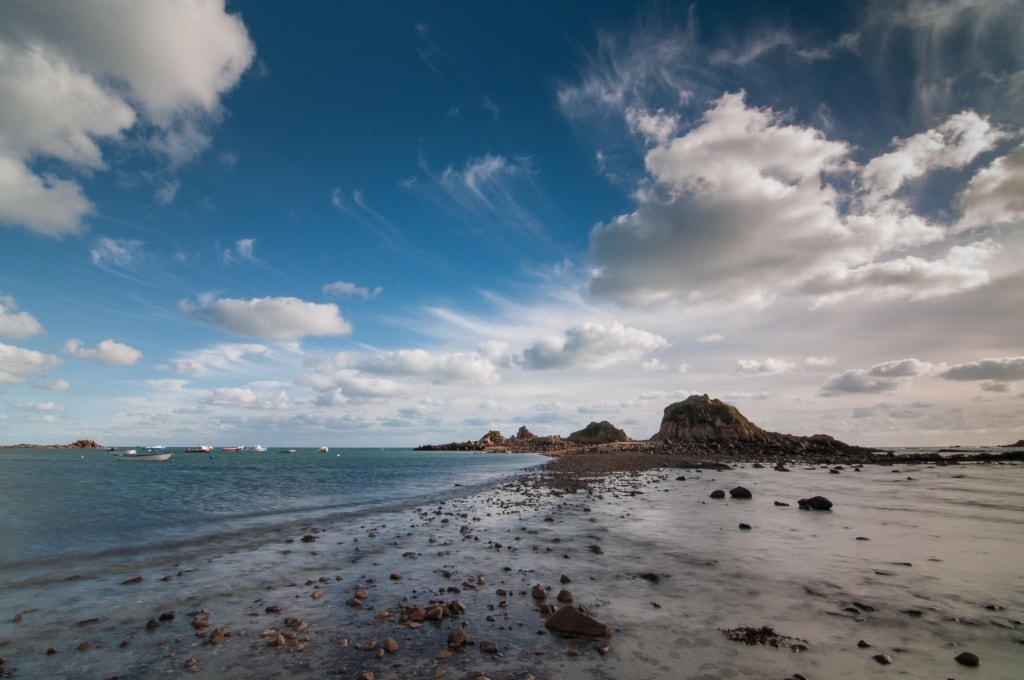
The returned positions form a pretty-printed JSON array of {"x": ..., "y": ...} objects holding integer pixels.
[{"x": 633, "y": 540}]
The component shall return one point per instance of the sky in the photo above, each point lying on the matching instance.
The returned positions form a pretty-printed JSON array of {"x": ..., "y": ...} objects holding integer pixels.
[{"x": 399, "y": 223}]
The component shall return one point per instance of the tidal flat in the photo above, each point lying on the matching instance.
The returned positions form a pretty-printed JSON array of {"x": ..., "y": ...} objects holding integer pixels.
[{"x": 913, "y": 566}]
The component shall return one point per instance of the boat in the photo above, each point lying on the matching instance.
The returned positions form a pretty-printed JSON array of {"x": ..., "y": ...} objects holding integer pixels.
[
  {"x": 132, "y": 454},
  {"x": 258, "y": 448},
  {"x": 286, "y": 450},
  {"x": 158, "y": 447},
  {"x": 323, "y": 449},
  {"x": 231, "y": 449},
  {"x": 199, "y": 449}
]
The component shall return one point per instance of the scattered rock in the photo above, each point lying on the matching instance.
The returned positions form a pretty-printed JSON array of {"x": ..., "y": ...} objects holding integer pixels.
[
  {"x": 967, "y": 659},
  {"x": 815, "y": 503},
  {"x": 564, "y": 596},
  {"x": 538, "y": 592},
  {"x": 746, "y": 527},
  {"x": 457, "y": 638},
  {"x": 718, "y": 493},
  {"x": 488, "y": 646},
  {"x": 571, "y": 621},
  {"x": 740, "y": 492},
  {"x": 389, "y": 645},
  {"x": 132, "y": 581}
]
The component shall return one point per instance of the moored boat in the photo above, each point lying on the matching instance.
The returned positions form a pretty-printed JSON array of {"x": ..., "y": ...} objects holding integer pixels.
[
  {"x": 205, "y": 448},
  {"x": 323, "y": 449},
  {"x": 286, "y": 450},
  {"x": 231, "y": 449},
  {"x": 257, "y": 447},
  {"x": 132, "y": 454},
  {"x": 158, "y": 447}
]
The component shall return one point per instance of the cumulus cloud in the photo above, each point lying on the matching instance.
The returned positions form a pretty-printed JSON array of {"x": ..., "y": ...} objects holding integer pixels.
[
  {"x": 746, "y": 207},
  {"x": 73, "y": 78},
  {"x": 53, "y": 385},
  {"x": 350, "y": 289},
  {"x": 17, "y": 365},
  {"x": 41, "y": 407},
  {"x": 769, "y": 366},
  {"x": 271, "y": 318},
  {"x": 106, "y": 352},
  {"x": 710, "y": 337},
  {"x": 593, "y": 345},
  {"x": 818, "y": 362},
  {"x": 880, "y": 378},
  {"x": 440, "y": 368},
  {"x": 15, "y": 324},
  {"x": 227, "y": 357},
  {"x": 1002, "y": 370},
  {"x": 995, "y": 195},
  {"x": 246, "y": 398}
]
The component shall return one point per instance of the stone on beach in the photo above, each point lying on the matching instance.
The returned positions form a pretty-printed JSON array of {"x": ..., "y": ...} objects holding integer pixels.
[
  {"x": 967, "y": 659},
  {"x": 815, "y": 503},
  {"x": 718, "y": 493},
  {"x": 740, "y": 492},
  {"x": 571, "y": 621}
]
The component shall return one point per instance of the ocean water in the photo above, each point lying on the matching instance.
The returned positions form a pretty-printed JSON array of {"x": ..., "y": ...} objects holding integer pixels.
[{"x": 919, "y": 561}]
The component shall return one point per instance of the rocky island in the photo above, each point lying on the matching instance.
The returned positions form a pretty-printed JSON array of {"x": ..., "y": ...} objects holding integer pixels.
[{"x": 699, "y": 431}]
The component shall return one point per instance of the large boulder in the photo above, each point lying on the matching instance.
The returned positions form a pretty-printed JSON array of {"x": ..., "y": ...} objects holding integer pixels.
[
  {"x": 815, "y": 503},
  {"x": 599, "y": 433},
  {"x": 571, "y": 621},
  {"x": 701, "y": 418}
]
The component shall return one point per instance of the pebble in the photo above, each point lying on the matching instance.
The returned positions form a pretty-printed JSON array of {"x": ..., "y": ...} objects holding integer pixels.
[{"x": 967, "y": 659}]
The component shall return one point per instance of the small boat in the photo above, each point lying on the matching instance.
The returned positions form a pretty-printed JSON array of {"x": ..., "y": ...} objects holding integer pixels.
[
  {"x": 323, "y": 449},
  {"x": 231, "y": 449},
  {"x": 257, "y": 448},
  {"x": 199, "y": 449},
  {"x": 158, "y": 447},
  {"x": 286, "y": 450},
  {"x": 132, "y": 454}
]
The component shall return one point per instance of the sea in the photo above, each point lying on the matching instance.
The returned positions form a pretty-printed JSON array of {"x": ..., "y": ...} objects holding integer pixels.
[{"x": 912, "y": 566}]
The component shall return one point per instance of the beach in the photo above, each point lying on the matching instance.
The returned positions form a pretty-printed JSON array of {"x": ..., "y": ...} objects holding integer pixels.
[{"x": 911, "y": 567}]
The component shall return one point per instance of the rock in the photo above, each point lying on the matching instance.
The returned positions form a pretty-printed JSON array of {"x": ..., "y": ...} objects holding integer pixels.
[
  {"x": 361, "y": 593},
  {"x": 219, "y": 636},
  {"x": 745, "y": 526},
  {"x": 564, "y": 596},
  {"x": 489, "y": 646},
  {"x": 153, "y": 623},
  {"x": 389, "y": 645},
  {"x": 862, "y": 644},
  {"x": 718, "y": 493},
  {"x": 740, "y": 492},
  {"x": 132, "y": 581},
  {"x": 883, "y": 659},
  {"x": 565, "y": 579},
  {"x": 599, "y": 433},
  {"x": 815, "y": 503},
  {"x": 51, "y": 650},
  {"x": 571, "y": 621},
  {"x": 780, "y": 504},
  {"x": 538, "y": 592},
  {"x": 967, "y": 659},
  {"x": 457, "y": 638}
]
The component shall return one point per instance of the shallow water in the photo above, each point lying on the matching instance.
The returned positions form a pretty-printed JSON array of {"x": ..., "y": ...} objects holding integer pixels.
[{"x": 943, "y": 541}]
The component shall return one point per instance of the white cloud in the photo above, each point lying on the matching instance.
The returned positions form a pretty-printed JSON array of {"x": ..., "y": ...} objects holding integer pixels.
[
  {"x": 350, "y": 289},
  {"x": 747, "y": 208},
  {"x": 120, "y": 253},
  {"x": 710, "y": 337},
  {"x": 769, "y": 366},
  {"x": 592, "y": 345},
  {"x": 247, "y": 398},
  {"x": 277, "y": 318},
  {"x": 440, "y": 368},
  {"x": 953, "y": 144},
  {"x": 15, "y": 324},
  {"x": 167, "y": 192},
  {"x": 106, "y": 352},
  {"x": 372, "y": 388},
  {"x": 1001, "y": 369},
  {"x": 74, "y": 76},
  {"x": 880, "y": 378},
  {"x": 996, "y": 194},
  {"x": 227, "y": 357},
  {"x": 818, "y": 362},
  {"x": 41, "y": 407},
  {"x": 18, "y": 365},
  {"x": 53, "y": 385}
]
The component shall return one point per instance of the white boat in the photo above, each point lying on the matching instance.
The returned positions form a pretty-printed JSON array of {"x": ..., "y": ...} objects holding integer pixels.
[
  {"x": 258, "y": 447},
  {"x": 158, "y": 447},
  {"x": 323, "y": 449},
  {"x": 286, "y": 450},
  {"x": 205, "y": 448},
  {"x": 132, "y": 454}
]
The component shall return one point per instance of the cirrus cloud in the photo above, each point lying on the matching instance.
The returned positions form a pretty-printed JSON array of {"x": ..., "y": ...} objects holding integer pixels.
[{"x": 270, "y": 318}]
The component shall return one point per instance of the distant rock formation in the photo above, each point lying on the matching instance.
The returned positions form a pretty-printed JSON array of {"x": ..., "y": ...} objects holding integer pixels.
[
  {"x": 524, "y": 434},
  {"x": 598, "y": 433},
  {"x": 701, "y": 418},
  {"x": 77, "y": 444}
]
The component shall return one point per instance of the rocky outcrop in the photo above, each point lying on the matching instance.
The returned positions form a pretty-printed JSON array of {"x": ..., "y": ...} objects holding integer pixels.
[
  {"x": 701, "y": 418},
  {"x": 598, "y": 433},
  {"x": 523, "y": 434}
]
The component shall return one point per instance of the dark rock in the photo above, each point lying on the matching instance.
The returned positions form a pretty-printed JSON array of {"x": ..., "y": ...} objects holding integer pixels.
[
  {"x": 538, "y": 592},
  {"x": 883, "y": 659},
  {"x": 571, "y": 621},
  {"x": 718, "y": 493},
  {"x": 457, "y": 637},
  {"x": 780, "y": 504},
  {"x": 744, "y": 526},
  {"x": 740, "y": 492},
  {"x": 564, "y": 596},
  {"x": 967, "y": 659},
  {"x": 489, "y": 646},
  {"x": 815, "y": 503},
  {"x": 599, "y": 433},
  {"x": 862, "y": 644}
]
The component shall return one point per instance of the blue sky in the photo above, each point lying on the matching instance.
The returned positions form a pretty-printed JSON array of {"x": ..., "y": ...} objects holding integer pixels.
[{"x": 404, "y": 222}]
